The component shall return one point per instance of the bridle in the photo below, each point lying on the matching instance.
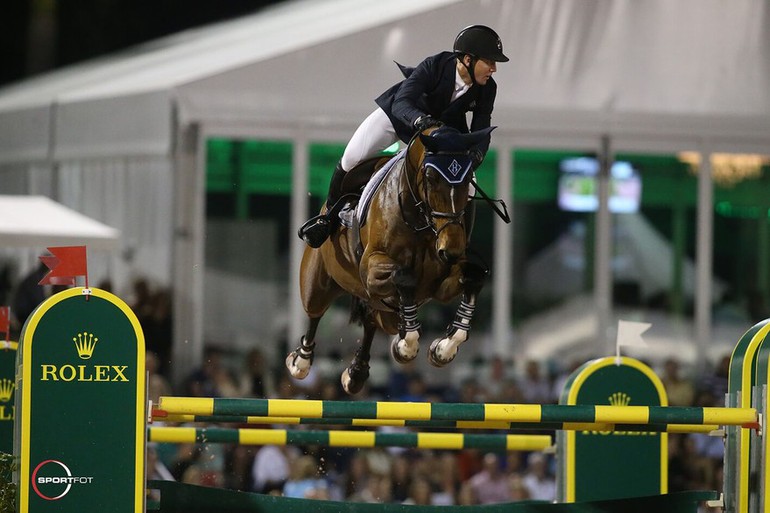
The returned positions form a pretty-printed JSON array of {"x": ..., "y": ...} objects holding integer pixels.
[{"x": 426, "y": 215}]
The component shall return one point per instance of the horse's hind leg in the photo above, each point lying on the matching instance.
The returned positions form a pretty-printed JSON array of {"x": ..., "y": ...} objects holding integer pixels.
[
  {"x": 299, "y": 361},
  {"x": 354, "y": 377},
  {"x": 405, "y": 346},
  {"x": 443, "y": 350}
]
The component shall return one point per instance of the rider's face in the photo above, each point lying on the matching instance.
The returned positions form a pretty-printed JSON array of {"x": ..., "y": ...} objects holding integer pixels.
[{"x": 483, "y": 70}]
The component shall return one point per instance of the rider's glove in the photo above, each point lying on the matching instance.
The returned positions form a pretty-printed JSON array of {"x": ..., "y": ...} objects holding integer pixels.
[
  {"x": 477, "y": 157},
  {"x": 424, "y": 122}
]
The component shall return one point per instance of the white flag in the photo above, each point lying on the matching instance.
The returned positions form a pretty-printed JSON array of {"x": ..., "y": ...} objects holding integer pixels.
[{"x": 630, "y": 333}]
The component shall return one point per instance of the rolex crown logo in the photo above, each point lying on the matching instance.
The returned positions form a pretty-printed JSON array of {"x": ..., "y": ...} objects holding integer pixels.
[
  {"x": 6, "y": 389},
  {"x": 85, "y": 343},
  {"x": 620, "y": 399}
]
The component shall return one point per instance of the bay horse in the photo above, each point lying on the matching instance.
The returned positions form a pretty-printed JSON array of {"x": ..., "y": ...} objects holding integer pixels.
[{"x": 409, "y": 249}]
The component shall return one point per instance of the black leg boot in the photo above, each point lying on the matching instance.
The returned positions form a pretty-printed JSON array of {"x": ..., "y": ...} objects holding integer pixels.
[{"x": 315, "y": 231}]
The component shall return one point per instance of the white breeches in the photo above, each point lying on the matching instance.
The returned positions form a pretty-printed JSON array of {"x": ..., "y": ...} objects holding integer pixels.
[{"x": 372, "y": 136}]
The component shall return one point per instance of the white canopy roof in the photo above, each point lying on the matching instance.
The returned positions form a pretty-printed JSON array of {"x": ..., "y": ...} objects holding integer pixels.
[
  {"x": 668, "y": 74},
  {"x": 37, "y": 221}
]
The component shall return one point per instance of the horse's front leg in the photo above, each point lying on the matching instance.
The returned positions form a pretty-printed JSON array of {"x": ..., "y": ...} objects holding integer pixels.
[
  {"x": 443, "y": 350},
  {"x": 405, "y": 346},
  {"x": 299, "y": 361},
  {"x": 386, "y": 280}
]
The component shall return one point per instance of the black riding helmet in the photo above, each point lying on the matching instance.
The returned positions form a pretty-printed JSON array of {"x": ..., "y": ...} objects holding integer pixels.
[{"x": 480, "y": 42}]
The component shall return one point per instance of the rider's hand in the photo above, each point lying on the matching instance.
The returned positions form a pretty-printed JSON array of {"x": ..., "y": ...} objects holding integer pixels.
[
  {"x": 424, "y": 122},
  {"x": 477, "y": 157}
]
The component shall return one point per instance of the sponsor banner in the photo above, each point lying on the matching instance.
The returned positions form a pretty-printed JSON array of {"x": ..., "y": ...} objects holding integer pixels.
[
  {"x": 598, "y": 465},
  {"x": 81, "y": 416},
  {"x": 7, "y": 396}
]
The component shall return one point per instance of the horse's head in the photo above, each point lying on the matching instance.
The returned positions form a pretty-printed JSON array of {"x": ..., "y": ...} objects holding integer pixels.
[{"x": 442, "y": 162}]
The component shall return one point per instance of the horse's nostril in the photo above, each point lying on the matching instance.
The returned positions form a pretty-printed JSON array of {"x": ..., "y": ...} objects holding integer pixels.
[{"x": 446, "y": 257}]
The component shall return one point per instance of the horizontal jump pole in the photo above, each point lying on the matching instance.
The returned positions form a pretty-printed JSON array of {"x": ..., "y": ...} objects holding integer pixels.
[
  {"x": 160, "y": 415},
  {"x": 349, "y": 438},
  {"x": 459, "y": 411}
]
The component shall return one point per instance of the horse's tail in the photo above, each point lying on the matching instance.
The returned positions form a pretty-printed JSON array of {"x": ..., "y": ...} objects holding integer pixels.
[{"x": 358, "y": 310}]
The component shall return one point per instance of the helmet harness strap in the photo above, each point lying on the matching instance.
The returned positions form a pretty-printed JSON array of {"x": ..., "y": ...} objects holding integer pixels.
[{"x": 470, "y": 67}]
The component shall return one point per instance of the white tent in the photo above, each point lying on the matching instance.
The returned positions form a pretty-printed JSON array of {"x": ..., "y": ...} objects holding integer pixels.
[
  {"x": 38, "y": 221},
  {"x": 644, "y": 76}
]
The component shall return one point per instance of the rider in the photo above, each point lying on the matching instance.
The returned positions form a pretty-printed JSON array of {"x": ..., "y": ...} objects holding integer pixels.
[{"x": 440, "y": 90}]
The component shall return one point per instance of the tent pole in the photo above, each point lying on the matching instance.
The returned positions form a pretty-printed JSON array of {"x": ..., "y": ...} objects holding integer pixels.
[
  {"x": 502, "y": 332},
  {"x": 299, "y": 213},
  {"x": 704, "y": 259},
  {"x": 603, "y": 251}
]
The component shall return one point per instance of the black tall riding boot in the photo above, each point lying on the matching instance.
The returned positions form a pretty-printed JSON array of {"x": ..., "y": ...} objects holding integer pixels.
[{"x": 315, "y": 231}]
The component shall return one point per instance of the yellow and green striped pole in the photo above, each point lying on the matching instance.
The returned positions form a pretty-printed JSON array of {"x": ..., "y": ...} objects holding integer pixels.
[
  {"x": 458, "y": 411},
  {"x": 349, "y": 438},
  {"x": 159, "y": 415}
]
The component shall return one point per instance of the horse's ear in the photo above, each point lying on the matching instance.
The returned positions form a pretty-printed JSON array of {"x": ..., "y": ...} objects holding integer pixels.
[{"x": 478, "y": 136}]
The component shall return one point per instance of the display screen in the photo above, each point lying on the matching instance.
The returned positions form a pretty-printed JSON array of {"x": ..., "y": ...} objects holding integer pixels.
[{"x": 578, "y": 187}]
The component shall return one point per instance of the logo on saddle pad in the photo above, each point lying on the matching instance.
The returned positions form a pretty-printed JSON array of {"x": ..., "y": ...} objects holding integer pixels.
[{"x": 85, "y": 345}]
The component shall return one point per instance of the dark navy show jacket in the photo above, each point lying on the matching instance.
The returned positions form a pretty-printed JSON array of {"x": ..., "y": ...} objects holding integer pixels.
[{"x": 427, "y": 89}]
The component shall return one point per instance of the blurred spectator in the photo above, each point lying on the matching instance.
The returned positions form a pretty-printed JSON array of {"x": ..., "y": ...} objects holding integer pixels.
[
  {"x": 561, "y": 379},
  {"x": 509, "y": 393},
  {"x": 157, "y": 324},
  {"x": 540, "y": 484},
  {"x": 155, "y": 468},
  {"x": 140, "y": 300},
  {"x": 681, "y": 392},
  {"x": 519, "y": 490},
  {"x": 29, "y": 294},
  {"x": 157, "y": 385},
  {"x": 211, "y": 379},
  {"x": 466, "y": 496},
  {"x": 270, "y": 469},
  {"x": 416, "y": 390},
  {"x": 186, "y": 455},
  {"x": 398, "y": 381},
  {"x": 400, "y": 477},
  {"x": 376, "y": 490},
  {"x": 419, "y": 492},
  {"x": 304, "y": 482},
  {"x": 534, "y": 386},
  {"x": 238, "y": 467},
  {"x": 490, "y": 485},
  {"x": 255, "y": 379},
  {"x": 497, "y": 374},
  {"x": 716, "y": 382}
]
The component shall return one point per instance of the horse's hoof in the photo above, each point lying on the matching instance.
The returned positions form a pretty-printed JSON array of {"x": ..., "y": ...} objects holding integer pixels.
[
  {"x": 294, "y": 364},
  {"x": 397, "y": 355},
  {"x": 349, "y": 384},
  {"x": 433, "y": 356}
]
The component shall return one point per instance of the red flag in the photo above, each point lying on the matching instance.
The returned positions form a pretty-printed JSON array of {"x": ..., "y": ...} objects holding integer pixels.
[
  {"x": 5, "y": 319},
  {"x": 66, "y": 263}
]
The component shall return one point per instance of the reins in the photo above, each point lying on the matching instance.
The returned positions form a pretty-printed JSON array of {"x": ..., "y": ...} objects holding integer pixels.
[{"x": 423, "y": 205}]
